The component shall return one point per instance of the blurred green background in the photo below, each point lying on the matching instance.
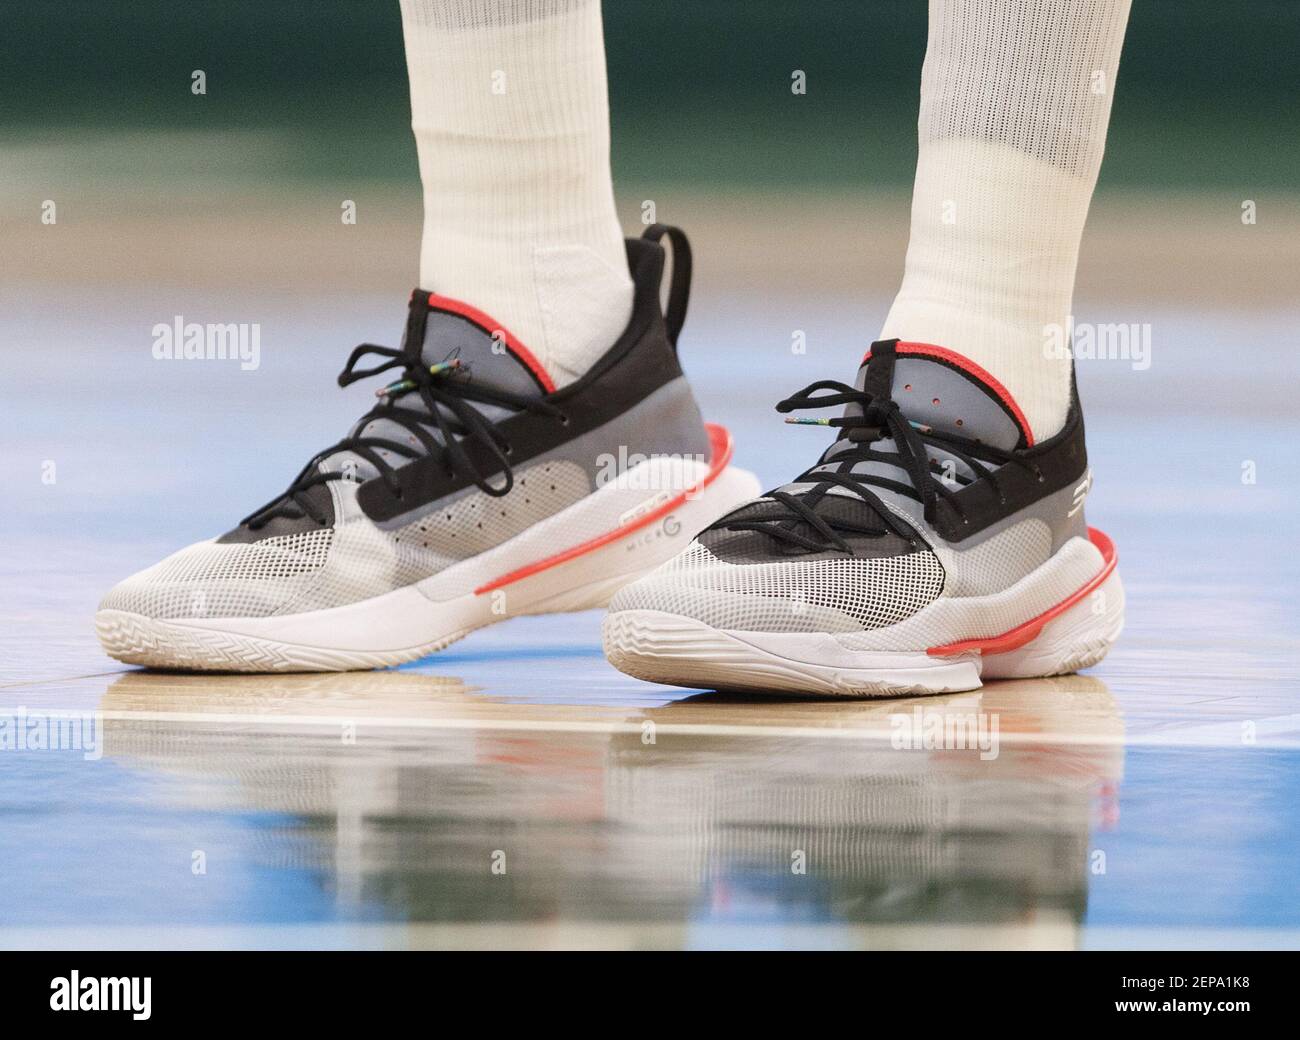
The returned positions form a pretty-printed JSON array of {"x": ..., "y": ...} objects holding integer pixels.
[
  {"x": 1209, "y": 92},
  {"x": 307, "y": 105}
]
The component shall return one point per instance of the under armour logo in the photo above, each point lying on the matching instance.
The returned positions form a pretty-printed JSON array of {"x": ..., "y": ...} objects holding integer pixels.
[{"x": 1081, "y": 492}]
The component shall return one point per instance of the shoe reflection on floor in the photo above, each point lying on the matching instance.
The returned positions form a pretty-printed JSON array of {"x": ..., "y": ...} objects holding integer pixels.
[{"x": 412, "y": 798}]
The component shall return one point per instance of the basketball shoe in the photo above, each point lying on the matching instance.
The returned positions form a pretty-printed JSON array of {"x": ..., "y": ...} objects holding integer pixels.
[
  {"x": 474, "y": 491},
  {"x": 933, "y": 543}
]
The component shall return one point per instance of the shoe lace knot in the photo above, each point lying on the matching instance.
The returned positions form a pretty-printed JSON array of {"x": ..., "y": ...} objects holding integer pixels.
[
  {"x": 443, "y": 421},
  {"x": 803, "y": 523}
]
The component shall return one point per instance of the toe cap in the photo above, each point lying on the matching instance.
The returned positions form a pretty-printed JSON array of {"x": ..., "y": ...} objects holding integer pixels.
[{"x": 214, "y": 579}]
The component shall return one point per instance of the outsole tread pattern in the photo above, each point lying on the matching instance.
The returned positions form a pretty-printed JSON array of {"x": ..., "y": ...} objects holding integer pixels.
[
  {"x": 135, "y": 639},
  {"x": 692, "y": 655},
  {"x": 679, "y": 651}
]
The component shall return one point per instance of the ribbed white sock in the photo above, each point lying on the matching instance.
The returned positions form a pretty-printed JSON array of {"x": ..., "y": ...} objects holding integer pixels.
[
  {"x": 511, "y": 115},
  {"x": 1015, "y": 99}
]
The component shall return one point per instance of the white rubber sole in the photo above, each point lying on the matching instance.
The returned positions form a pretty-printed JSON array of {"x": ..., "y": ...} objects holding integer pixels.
[
  {"x": 520, "y": 576},
  {"x": 682, "y": 651}
]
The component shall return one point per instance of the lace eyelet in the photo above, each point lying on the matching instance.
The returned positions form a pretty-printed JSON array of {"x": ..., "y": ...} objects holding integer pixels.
[{"x": 564, "y": 420}]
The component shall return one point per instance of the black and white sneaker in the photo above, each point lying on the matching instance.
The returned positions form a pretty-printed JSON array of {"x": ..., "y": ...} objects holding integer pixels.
[
  {"x": 932, "y": 544},
  {"x": 474, "y": 491}
]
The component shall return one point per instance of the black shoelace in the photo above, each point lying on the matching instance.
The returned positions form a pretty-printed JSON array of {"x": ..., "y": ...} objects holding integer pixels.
[
  {"x": 447, "y": 409},
  {"x": 801, "y": 527}
]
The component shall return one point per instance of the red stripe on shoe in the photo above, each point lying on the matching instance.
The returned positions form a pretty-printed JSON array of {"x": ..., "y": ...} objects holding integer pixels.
[
  {"x": 1029, "y": 631},
  {"x": 491, "y": 326},
  {"x": 720, "y": 449},
  {"x": 904, "y": 348}
]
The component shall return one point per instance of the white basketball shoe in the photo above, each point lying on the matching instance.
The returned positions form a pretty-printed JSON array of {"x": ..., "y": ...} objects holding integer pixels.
[
  {"x": 473, "y": 492},
  {"x": 933, "y": 543}
]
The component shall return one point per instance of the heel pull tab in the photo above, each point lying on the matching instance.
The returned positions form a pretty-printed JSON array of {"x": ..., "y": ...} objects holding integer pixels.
[
  {"x": 417, "y": 316},
  {"x": 879, "y": 382},
  {"x": 679, "y": 288}
]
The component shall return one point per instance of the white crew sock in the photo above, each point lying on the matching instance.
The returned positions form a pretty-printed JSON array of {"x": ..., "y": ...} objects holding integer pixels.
[
  {"x": 511, "y": 115},
  {"x": 1015, "y": 98}
]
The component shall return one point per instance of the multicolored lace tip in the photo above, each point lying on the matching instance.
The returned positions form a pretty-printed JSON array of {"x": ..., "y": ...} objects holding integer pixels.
[
  {"x": 798, "y": 421},
  {"x": 393, "y": 388},
  {"x": 441, "y": 368}
]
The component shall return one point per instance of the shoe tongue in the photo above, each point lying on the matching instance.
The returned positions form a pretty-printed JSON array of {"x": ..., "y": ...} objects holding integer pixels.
[
  {"x": 942, "y": 390},
  {"x": 489, "y": 354}
]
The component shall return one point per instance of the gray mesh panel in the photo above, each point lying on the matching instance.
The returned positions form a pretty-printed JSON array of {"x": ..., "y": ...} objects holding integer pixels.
[{"x": 843, "y": 595}]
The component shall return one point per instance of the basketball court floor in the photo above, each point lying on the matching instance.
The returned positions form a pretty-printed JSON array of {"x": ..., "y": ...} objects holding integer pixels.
[{"x": 516, "y": 791}]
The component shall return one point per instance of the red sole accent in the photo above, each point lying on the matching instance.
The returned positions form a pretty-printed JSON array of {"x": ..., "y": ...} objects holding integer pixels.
[
  {"x": 491, "y": 326},
  {"x": 720, "y": 450},
  {"x": 1029, "y": 631}
]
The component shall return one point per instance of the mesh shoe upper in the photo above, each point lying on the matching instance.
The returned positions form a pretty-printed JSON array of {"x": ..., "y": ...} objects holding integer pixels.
[
  {"x": 930, "y": 451},
  {"x": 350, "y": 560},
  {"x": 209, "y": 579},
  {"x": 469, "y": 446},
  {"x": 314, "y": 548},
  {"x": 825, "y": 595}
]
